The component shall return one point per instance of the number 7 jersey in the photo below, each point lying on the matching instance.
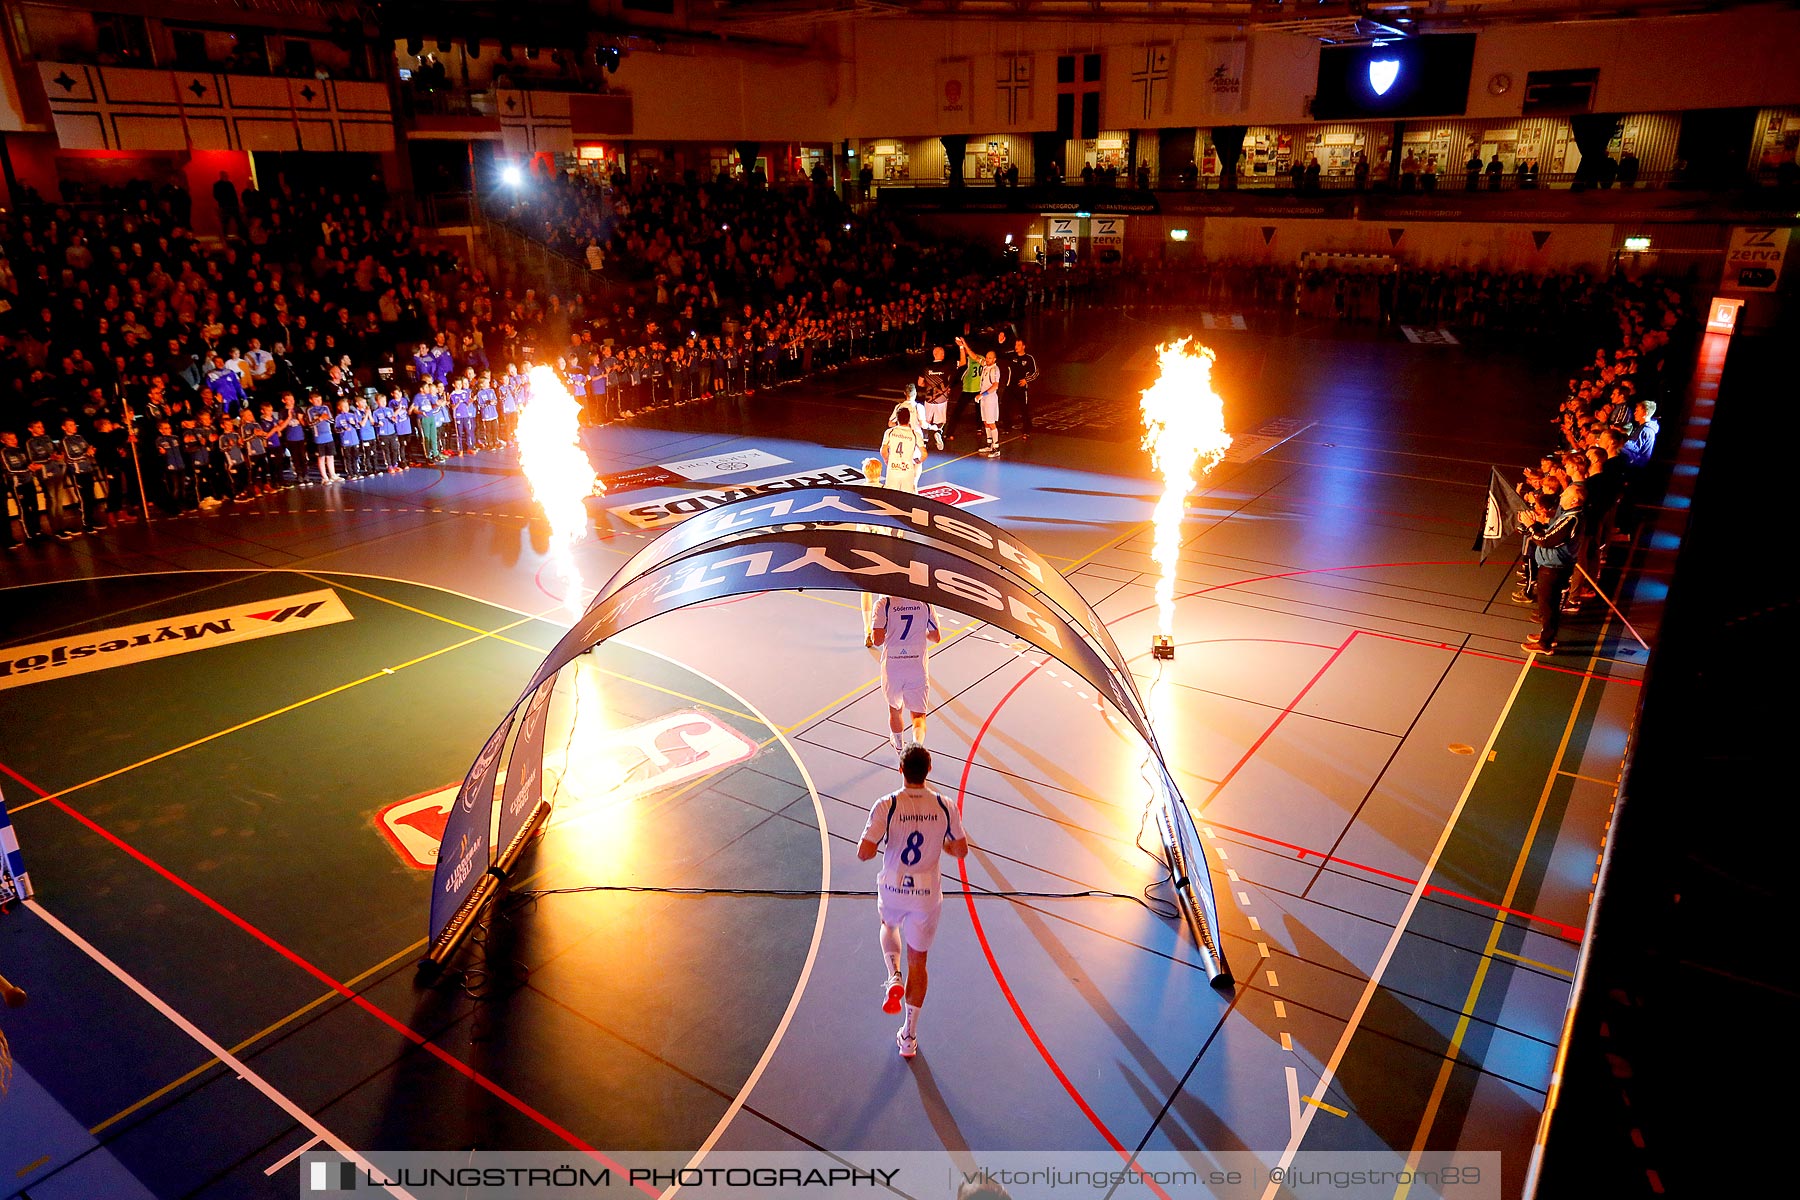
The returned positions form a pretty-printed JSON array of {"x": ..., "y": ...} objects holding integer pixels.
[
  {"x": 908, "y": 622},
  {"x": 913, "y": 823}
]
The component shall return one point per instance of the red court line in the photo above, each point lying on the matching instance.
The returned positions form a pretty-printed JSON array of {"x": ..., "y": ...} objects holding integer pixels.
[
  {"x": 1570, "y": 932},
  {"x": 1540, "y": 664},
  {"x": 962, "y": 868},
  {"x": 1279, "y": 718},
  {"x": 362, "y": 1002}
]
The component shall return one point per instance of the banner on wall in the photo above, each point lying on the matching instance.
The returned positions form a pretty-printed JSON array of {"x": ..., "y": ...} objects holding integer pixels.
[
  {"x": 1106, "y": 236},
  {"x": 1753, "y": 260},
  {"x": 1225, "y": 76},
  {"x": 1065, "y": 227},
  {"x": 1013, "y": 76},
  {"x": 830, "y": 538},
  {"x": 1153, "y": 79},
  {"x": 955, "y": 103}
]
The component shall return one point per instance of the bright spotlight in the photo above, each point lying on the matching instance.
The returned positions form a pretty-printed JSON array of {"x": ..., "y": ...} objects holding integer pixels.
[
  {"x": 1178, "y": 235},
  {"x": 511, "y": 176},
  {"x": 1009, "y": 239}
]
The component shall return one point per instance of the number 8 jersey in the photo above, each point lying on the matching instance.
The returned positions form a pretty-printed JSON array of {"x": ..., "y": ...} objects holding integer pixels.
[{"x": 912, "y": 823}]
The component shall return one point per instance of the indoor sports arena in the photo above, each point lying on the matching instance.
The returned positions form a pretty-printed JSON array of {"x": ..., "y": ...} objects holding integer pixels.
[{"x": 935, "y": 598}]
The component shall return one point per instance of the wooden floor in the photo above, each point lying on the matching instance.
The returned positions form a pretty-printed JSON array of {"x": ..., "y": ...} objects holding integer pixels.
[{"x": 1404, "y": 812}]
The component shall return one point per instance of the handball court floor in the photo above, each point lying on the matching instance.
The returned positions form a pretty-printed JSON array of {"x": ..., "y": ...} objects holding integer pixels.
[{"x": 1404, "y": 813}]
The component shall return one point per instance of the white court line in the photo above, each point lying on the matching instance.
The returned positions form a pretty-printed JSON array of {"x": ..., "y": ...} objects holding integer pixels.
[
  {"x": 1406, "y": 914},
  {"x": 289, "y": 1157},
  {"x": 1295, "y": 1122},
  {"x": 818, "y": 934},
  {"x": 213, "y": 1048}
]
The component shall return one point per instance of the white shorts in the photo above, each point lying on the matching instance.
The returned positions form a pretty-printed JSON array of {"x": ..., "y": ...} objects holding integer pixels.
[
  {"x": 903, "y": 683},
  {"x": 903, "y": 478},
  {"x": 917, "y": 926},
  {"x": 937, "y": 412},
  {"x": 990, "y": 408}
]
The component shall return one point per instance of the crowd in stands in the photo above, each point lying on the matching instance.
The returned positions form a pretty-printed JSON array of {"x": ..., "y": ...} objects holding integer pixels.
[
  {"x": 322, "y": 338},
  {"x": 1578, "y": 498},
  {"x": 1379, "y": 291}
]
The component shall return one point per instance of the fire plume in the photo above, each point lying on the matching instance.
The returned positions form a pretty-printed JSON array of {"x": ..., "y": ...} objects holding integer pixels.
[
  {"x": 1184, "y": 430},
  {"x": 560, "y": 474}
]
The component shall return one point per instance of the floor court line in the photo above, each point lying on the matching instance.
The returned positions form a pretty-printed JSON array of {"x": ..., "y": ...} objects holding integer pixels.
[
  {"x": 543, "y": 650},
  {"x": 962, "y": 868},
  {"x": 254, "y": 1038},
  {"x": 384, "y": 673},
  {"x": 1451, "y": 1054},
  {"x": 307, "y": 966},
  {"x": 243, "y": 1069},
  {"x": 1387, "y": 953}
]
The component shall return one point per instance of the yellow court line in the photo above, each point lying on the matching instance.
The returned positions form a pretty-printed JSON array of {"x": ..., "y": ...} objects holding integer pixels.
[
  {"x": 1333, "y": 1109},
  {"x": 537, "y": 649},
  {"x": 1612, "y": 783},
  {"x": 1429, "y": 1117},
  {"x": 1108, "y": 545},
  {"x": 342, "y": 687},
  {"x": 1532, "y": 962},
  {"x": 866, "y": 684},
  {"x": 258, "y": 1036}
]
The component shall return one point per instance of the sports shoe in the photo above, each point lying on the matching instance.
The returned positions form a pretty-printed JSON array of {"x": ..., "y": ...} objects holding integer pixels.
[
  {"x": 891, "y": 994},
  {"x": 907, "y": 1042},
  {"x": 1533, "y": 646},
  {"x": 1520, "y": 597}
]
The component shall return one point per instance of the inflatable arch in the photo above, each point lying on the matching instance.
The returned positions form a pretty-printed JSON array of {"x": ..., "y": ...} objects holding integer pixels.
[{"x": 829, "y": 538}]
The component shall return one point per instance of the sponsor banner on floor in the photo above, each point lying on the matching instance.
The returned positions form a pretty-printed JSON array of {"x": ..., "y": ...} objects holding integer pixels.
[
  {"x": 955, "y": 495},
  {"x": 80, "y": 653},
  {"x": 1436, "y": 336},
  {"x": 734, "y": 463},
  {"x": 621, "y": 764},
  {"x": 639, "y": 478},
  {"x": 654, "y": 514},
  {"x": 1265, "y": 437}
]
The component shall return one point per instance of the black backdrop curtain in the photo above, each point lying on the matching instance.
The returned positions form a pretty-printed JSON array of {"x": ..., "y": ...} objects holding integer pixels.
[
  {"x": 955, "y": 146},
  {"x": 1591, "y": 132},
  {"x": 1228, "y": 143},
  {"x": 1047, "y": 152}
]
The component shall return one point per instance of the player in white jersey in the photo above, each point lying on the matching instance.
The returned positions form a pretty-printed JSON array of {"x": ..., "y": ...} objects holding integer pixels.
[
  {"x": 872, "y": 477},
  {"x": 914, "y": 827},
  {"x": 905, "y": 629},
  {"x": 903, "y": 450}
]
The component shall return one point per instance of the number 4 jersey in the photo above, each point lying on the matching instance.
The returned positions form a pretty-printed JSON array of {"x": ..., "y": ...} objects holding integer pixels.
[{"x": 913, "y": 822}]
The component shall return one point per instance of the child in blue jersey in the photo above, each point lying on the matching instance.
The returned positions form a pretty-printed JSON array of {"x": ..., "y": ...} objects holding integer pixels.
[
  {"x": 427, "y": 413},
  {"x": 487, "y": 403},
  {"x": 292, "y": 421},
  {"x": 512, "y": 394},
  {"x": 383, "y": 424},
  {"x": 176, "y": 479},
  {"x": 349, "y": 436},
  {"x": 256, "y": 451},
  {"x": 462, "y": 409},
  {"x": 234, "y": 461},
  {"x": 401, "y": 451},
  {"x": 324, "y": 440}
]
